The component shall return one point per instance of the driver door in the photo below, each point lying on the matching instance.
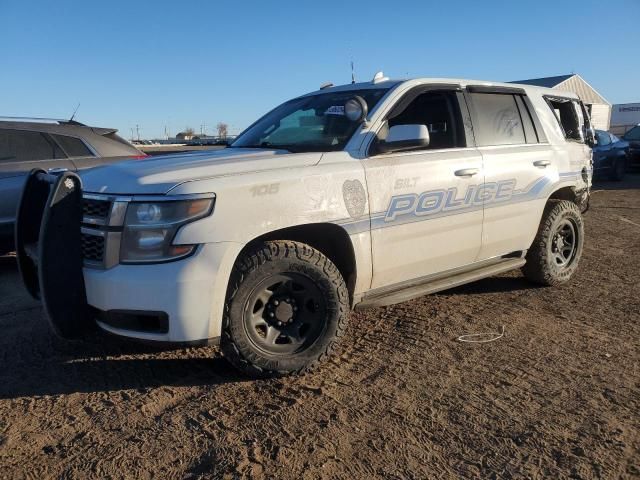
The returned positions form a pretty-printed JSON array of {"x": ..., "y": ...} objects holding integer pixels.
[{"x": 426, "y": 204}]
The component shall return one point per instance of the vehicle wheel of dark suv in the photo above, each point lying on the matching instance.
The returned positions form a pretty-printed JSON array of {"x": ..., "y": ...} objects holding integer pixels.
[
  {"x": 554, "y": 255},
  {"x": 618, "y": 169},
  {"x": 287, "y": 305}
]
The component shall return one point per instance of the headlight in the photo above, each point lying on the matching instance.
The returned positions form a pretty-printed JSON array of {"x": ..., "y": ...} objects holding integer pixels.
[{"x": 150, "y": 227}]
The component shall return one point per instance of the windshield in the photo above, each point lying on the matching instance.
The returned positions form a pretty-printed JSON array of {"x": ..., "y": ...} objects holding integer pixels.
[
  {"x": 308, "y": 124},
  {"x": 633, "y": 134}
]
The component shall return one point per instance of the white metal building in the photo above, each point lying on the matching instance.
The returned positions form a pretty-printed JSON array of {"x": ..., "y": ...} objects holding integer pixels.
[
  {"x": 599, "y": 108},
  {"x": 624, "y": 116}
]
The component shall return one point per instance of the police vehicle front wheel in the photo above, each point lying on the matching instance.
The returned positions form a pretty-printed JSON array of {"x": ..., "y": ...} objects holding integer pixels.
[
  {"x": 287, "y": 305},
  {"x": 555, "y": 253}
]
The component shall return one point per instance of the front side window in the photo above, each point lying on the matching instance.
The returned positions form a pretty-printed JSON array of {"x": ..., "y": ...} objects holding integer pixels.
[
  {"x": 439, "y": 112},
  {"x": 603, "y": 138},
  {"x": 25, "y": 146},
  {"x": 315, "y": 123},
  {"x": 633, "y": 134},
  {"x": 497, "y": 119},
  {"x": 74, "y": 147}
]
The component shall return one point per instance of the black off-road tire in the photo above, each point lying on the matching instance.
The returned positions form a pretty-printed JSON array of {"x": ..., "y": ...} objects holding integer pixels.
[
  {"x": 541, "y": 267},
  {"x": 250, "y": 271}
]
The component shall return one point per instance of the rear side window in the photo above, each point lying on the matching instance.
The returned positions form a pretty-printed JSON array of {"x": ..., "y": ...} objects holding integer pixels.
[
  {"x": 497, "y": 120},
  {"x": 566, "y": 113},
  {"x": 74, "y": 147},
  {"x": 24, "y": 146}
]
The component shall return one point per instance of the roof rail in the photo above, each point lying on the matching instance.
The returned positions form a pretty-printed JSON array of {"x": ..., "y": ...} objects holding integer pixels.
[{"x": 39, "y": 120}]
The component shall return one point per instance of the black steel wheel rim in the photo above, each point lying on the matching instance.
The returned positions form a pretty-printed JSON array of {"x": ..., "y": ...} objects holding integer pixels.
[
  {"x": 564, "y": 243},
  {"x": 285, "y": 314}
]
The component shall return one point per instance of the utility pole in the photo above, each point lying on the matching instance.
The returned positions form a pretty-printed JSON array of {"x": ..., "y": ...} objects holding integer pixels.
[
  {"x": 166, "y": 133},
  {"x": 132, "y": 135},
  {"x": 202, "y": 128},
  {"x": 138, "y": 131}
]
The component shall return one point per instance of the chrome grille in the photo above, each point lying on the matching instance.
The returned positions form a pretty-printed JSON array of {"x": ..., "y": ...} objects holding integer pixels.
[
  {"x": 95, "y": 208},
  {"x": 92, "y": 247}
]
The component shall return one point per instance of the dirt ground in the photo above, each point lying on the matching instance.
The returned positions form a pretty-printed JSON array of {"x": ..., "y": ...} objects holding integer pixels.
[{"x": 557, "y": 397}]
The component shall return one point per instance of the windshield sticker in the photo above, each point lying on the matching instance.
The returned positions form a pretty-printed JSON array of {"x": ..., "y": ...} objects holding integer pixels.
[{"x": 335, "y": 110}]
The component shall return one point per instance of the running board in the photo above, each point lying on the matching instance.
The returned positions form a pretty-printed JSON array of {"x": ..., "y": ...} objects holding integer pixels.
[{"x": 433, "y": 284}]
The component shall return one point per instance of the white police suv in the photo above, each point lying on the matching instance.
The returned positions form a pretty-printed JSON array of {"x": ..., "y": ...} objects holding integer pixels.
[{"x": 351, "y": 196}]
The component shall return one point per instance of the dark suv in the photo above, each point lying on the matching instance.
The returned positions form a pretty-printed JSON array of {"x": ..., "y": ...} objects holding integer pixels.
[
  {"x": 633, "y": 137},
  {"x": 51, "y": 145}
]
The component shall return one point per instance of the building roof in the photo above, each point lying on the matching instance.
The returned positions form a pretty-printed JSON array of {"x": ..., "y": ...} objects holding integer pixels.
[
  {"x": 572, "y": 83},
  {"x": 549, "y": 82}
]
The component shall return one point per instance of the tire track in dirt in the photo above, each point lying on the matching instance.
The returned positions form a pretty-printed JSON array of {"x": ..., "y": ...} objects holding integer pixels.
[{"x": 401, "y": 399}]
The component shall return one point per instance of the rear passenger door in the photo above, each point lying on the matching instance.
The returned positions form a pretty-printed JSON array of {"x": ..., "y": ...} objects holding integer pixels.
[
  {"x": 77, "y": 150},
  {"x": 518, "y": 164},
  {"x": 20, "y": 152}
]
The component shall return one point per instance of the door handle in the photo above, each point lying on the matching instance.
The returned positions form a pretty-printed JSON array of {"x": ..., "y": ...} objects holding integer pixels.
[
  {"x": 466, "y": 172},
  {"x": 542, "y": 163},
  {"x": 57, "y": 170}
]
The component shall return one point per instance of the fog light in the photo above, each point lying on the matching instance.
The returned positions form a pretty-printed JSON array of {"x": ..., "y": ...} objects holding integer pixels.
[{"x": 149, "y": 240}]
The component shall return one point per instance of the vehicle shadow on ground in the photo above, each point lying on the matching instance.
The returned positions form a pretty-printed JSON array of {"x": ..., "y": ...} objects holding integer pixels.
[
  {"x": 76, "y": 370},
  {"x": 34, "y": 362}
]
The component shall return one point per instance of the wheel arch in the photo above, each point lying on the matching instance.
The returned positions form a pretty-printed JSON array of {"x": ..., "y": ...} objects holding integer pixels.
[
  {"x": 565, "y": 193},
  {"x": 330, "y": 239}
]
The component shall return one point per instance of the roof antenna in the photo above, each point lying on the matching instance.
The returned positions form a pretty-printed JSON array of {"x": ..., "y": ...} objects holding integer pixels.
[
  {"x": 74, "y": 112},
  {"x": 353, "y": 75}
]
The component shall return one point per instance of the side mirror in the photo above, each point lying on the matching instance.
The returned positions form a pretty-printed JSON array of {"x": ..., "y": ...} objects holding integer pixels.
[{"x": 404, "y": 137}]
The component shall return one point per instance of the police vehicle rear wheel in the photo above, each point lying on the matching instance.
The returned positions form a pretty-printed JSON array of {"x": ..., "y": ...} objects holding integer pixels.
[
  {"x": 555, "y": 253},
  {"x": 287, "y": 305}
]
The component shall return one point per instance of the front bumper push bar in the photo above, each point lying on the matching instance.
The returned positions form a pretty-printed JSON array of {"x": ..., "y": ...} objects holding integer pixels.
[{"x": 49, "y": 249}]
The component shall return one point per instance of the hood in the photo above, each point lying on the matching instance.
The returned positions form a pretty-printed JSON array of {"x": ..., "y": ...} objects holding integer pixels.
[{"x": 159, "y": 174}]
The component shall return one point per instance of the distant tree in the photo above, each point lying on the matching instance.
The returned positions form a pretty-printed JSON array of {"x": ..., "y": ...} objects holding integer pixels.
[
  {"x": 189, "y": 131},
  {"x": 223, "y": 129}
]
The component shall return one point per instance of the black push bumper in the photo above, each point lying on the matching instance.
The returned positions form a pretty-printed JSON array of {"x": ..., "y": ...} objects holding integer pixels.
[{"x": 49, "y": 251}]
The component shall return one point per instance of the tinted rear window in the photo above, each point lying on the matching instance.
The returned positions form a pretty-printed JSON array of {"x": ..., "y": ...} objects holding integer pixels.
[
  {"x": 21, "y": 146},
  {"x": 117, "y": 138},
  {"x": 74, "y": 147},
  {"x": 497, "y": 119},
  {"x": 633, "y": 134}
]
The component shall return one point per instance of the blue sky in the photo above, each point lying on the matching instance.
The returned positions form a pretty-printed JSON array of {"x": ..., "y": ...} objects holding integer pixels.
[{"x": 177, "y": 64}]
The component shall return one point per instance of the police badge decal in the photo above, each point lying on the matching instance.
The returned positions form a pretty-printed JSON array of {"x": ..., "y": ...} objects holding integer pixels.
[{"x": 355, "y": 198}]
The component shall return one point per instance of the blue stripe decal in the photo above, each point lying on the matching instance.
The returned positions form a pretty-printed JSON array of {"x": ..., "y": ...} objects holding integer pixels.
[{"x": 412, "y": 207}]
